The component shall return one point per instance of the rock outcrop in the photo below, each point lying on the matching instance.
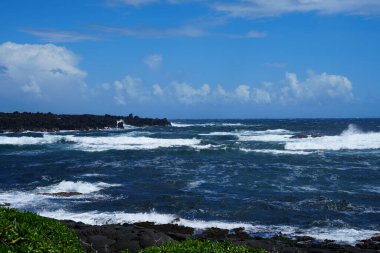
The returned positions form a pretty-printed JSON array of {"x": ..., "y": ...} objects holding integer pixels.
[
  {"x": 17, "y": 122},
  {"x": 134, "y": 237}
]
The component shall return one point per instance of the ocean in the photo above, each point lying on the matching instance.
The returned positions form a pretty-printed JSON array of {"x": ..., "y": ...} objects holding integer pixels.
[{"x": 205, "y": 173}]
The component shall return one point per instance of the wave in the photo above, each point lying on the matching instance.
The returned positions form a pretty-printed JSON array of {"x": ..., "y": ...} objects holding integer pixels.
[
  {"x": 192, "y": 125},
  {"x": 102, "y": 143},
  {"x": 129, "y": 143},
  {"x": 195, "y": 184},
  {"x": 35, "y": 199},
  {"x": 179, "y": 124},
  {"x": 340, "y": 235},
  {"x": 79, "y": 186},
  {"x": 26, "y": 140},
  {"x": 277, "y": 151},
  {"x": 350, "y": 139},
  {"x": 269, "y": 135}
]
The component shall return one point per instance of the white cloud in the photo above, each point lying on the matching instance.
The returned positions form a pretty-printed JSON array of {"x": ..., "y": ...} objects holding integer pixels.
[
  {"x": 242, "y": 92},
  {"x": 261, "y": 96},
  {"x": 270, "y": 8},
  {"x": 135, "y": 3},
  {"x": 130, "y": 88},
  {"x": 153, "y": 61},
  {"x": 157, "y": 90},
  {"x": 188, "y": 94},
  {"x": 183, "y": 31},
  {"x": 316, "y": 86},
  {"x": 56, "y": 36},
  {"x": 42, "y": 71}
]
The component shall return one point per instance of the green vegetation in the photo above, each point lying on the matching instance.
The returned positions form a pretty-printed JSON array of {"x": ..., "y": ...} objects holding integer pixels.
[
  {"x": 28, "y": 232},
  {"x": 197, "y": 246}
]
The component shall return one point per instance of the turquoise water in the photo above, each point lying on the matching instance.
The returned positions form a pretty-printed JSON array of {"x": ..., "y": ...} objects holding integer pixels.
[{"x": 205, "y": 173}]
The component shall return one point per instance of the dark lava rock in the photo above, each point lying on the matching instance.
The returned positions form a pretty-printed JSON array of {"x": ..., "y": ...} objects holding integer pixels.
[
  {"x": 166, "y": 228},
  {"x": 115, "y": 238},
  {"x": 62, "y": 194},
  {"x": 214, "y": 233},
  {"x": 17, "y": 122},
  {"x": 5, "y": 204}
]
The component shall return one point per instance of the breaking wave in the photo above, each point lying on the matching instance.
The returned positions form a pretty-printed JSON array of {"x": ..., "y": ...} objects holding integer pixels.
[
  {"x": 79, "y": 186},
  {"x": 351, "y": 138},
  {"x": 277, "y": 151},
  {"x": 341, "y": 235},
  {"x": 102, "y": 143}
]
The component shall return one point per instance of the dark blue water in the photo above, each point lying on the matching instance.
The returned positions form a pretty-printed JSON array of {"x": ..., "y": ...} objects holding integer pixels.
[{"x": 227, "y": 173}]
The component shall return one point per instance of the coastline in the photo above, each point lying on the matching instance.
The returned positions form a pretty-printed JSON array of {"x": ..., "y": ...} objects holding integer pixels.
[
  {"x": 49, "y": 122},
  {"x": 136, "y": 236}
]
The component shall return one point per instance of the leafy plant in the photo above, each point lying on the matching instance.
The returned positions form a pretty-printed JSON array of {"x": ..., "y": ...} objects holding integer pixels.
[
  {"x": 28, "y": 232},
  {"x": 197, "y": 246}
]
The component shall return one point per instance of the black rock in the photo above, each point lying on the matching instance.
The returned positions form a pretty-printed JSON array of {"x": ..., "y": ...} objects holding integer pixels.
[
  {"x": 17, "y": 122},
  {"x": 62, "y": 194}
]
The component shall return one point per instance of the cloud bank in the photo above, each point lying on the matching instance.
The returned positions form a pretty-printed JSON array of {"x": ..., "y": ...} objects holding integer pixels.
[{"x": 39, "y": 71}]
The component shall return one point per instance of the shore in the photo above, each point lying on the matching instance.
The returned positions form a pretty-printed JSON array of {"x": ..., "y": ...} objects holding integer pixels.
[
  {"x": 47, "y": 122},
  {"x": 134, "y": 237}
]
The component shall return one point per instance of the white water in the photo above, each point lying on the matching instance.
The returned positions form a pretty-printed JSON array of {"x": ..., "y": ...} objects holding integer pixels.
[
  {"x": 277, "y": 151},
  {"x": 351, "y": 138},
  {"x": 101, "y": 143},
  {"x": 344, "y": 235},
  {"x": 79, "y": 186}
]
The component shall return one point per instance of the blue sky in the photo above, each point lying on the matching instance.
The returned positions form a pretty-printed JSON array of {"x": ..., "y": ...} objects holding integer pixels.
[{"x": 191, "y": 58}]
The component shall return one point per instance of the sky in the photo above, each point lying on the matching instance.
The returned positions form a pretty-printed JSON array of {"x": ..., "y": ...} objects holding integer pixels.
[{"x": 192, "y": 59}]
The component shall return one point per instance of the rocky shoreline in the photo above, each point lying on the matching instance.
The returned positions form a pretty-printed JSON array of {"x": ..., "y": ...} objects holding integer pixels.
[
  {"x": 134, "y": 237},
  {"x": 47, "y": 122}
]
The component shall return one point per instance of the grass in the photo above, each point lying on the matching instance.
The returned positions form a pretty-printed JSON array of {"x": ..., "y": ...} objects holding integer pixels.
[
  {"x": 28, "y": 232},
  {"x": 197, "y": 246}
]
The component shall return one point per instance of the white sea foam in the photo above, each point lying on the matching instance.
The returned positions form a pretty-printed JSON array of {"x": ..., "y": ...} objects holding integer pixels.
[
  {"x": 269, "y": 135},
  {"x": 340, "y": 235},
  {"x": 351, "y": 138},
  {"x": 26, "y": 140},
  {"x": 100, "y": 218},
  {"x": 195, "y": 184},
  {"x": 129, "y": 143},
  {"x": 102, "y": 143},
  {"x": 265, "y": 138},
  {"x": 277, "y": 151},
  {"x": 79, "y": 186},
  {"x": 181, "y": 125},
  {"x": 344, "y": 235}
]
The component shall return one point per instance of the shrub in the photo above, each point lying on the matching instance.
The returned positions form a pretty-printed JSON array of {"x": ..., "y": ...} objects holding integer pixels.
[
  {"x": 28, "y": 232},
  {"x": 197, "y": 246}
]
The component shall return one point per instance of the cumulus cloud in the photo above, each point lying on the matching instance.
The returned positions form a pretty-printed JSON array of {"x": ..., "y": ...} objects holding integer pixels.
[
  {"x": 153, "y": 61},
  {"x": 157, "y": 90},
  {"x": 129, "y": 88},
  {"x": 261, "y": 96},
  {"x": 316, "y": 86},
  {"x": 188, "y": 94},
  {"x": 270, "y": 8},
  {"x": 291, "y": 90},
  {"x": 242, "y": 93},
  {"x": 40, "y": 71}
]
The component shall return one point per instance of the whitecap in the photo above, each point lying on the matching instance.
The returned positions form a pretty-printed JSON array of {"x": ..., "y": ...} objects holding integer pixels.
[
  {"x": 129, "y": 143},
  {"x": 79, "y": 186},
  {"x": 350, "y": 139},
  {"x": 277, "y": 151}
]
